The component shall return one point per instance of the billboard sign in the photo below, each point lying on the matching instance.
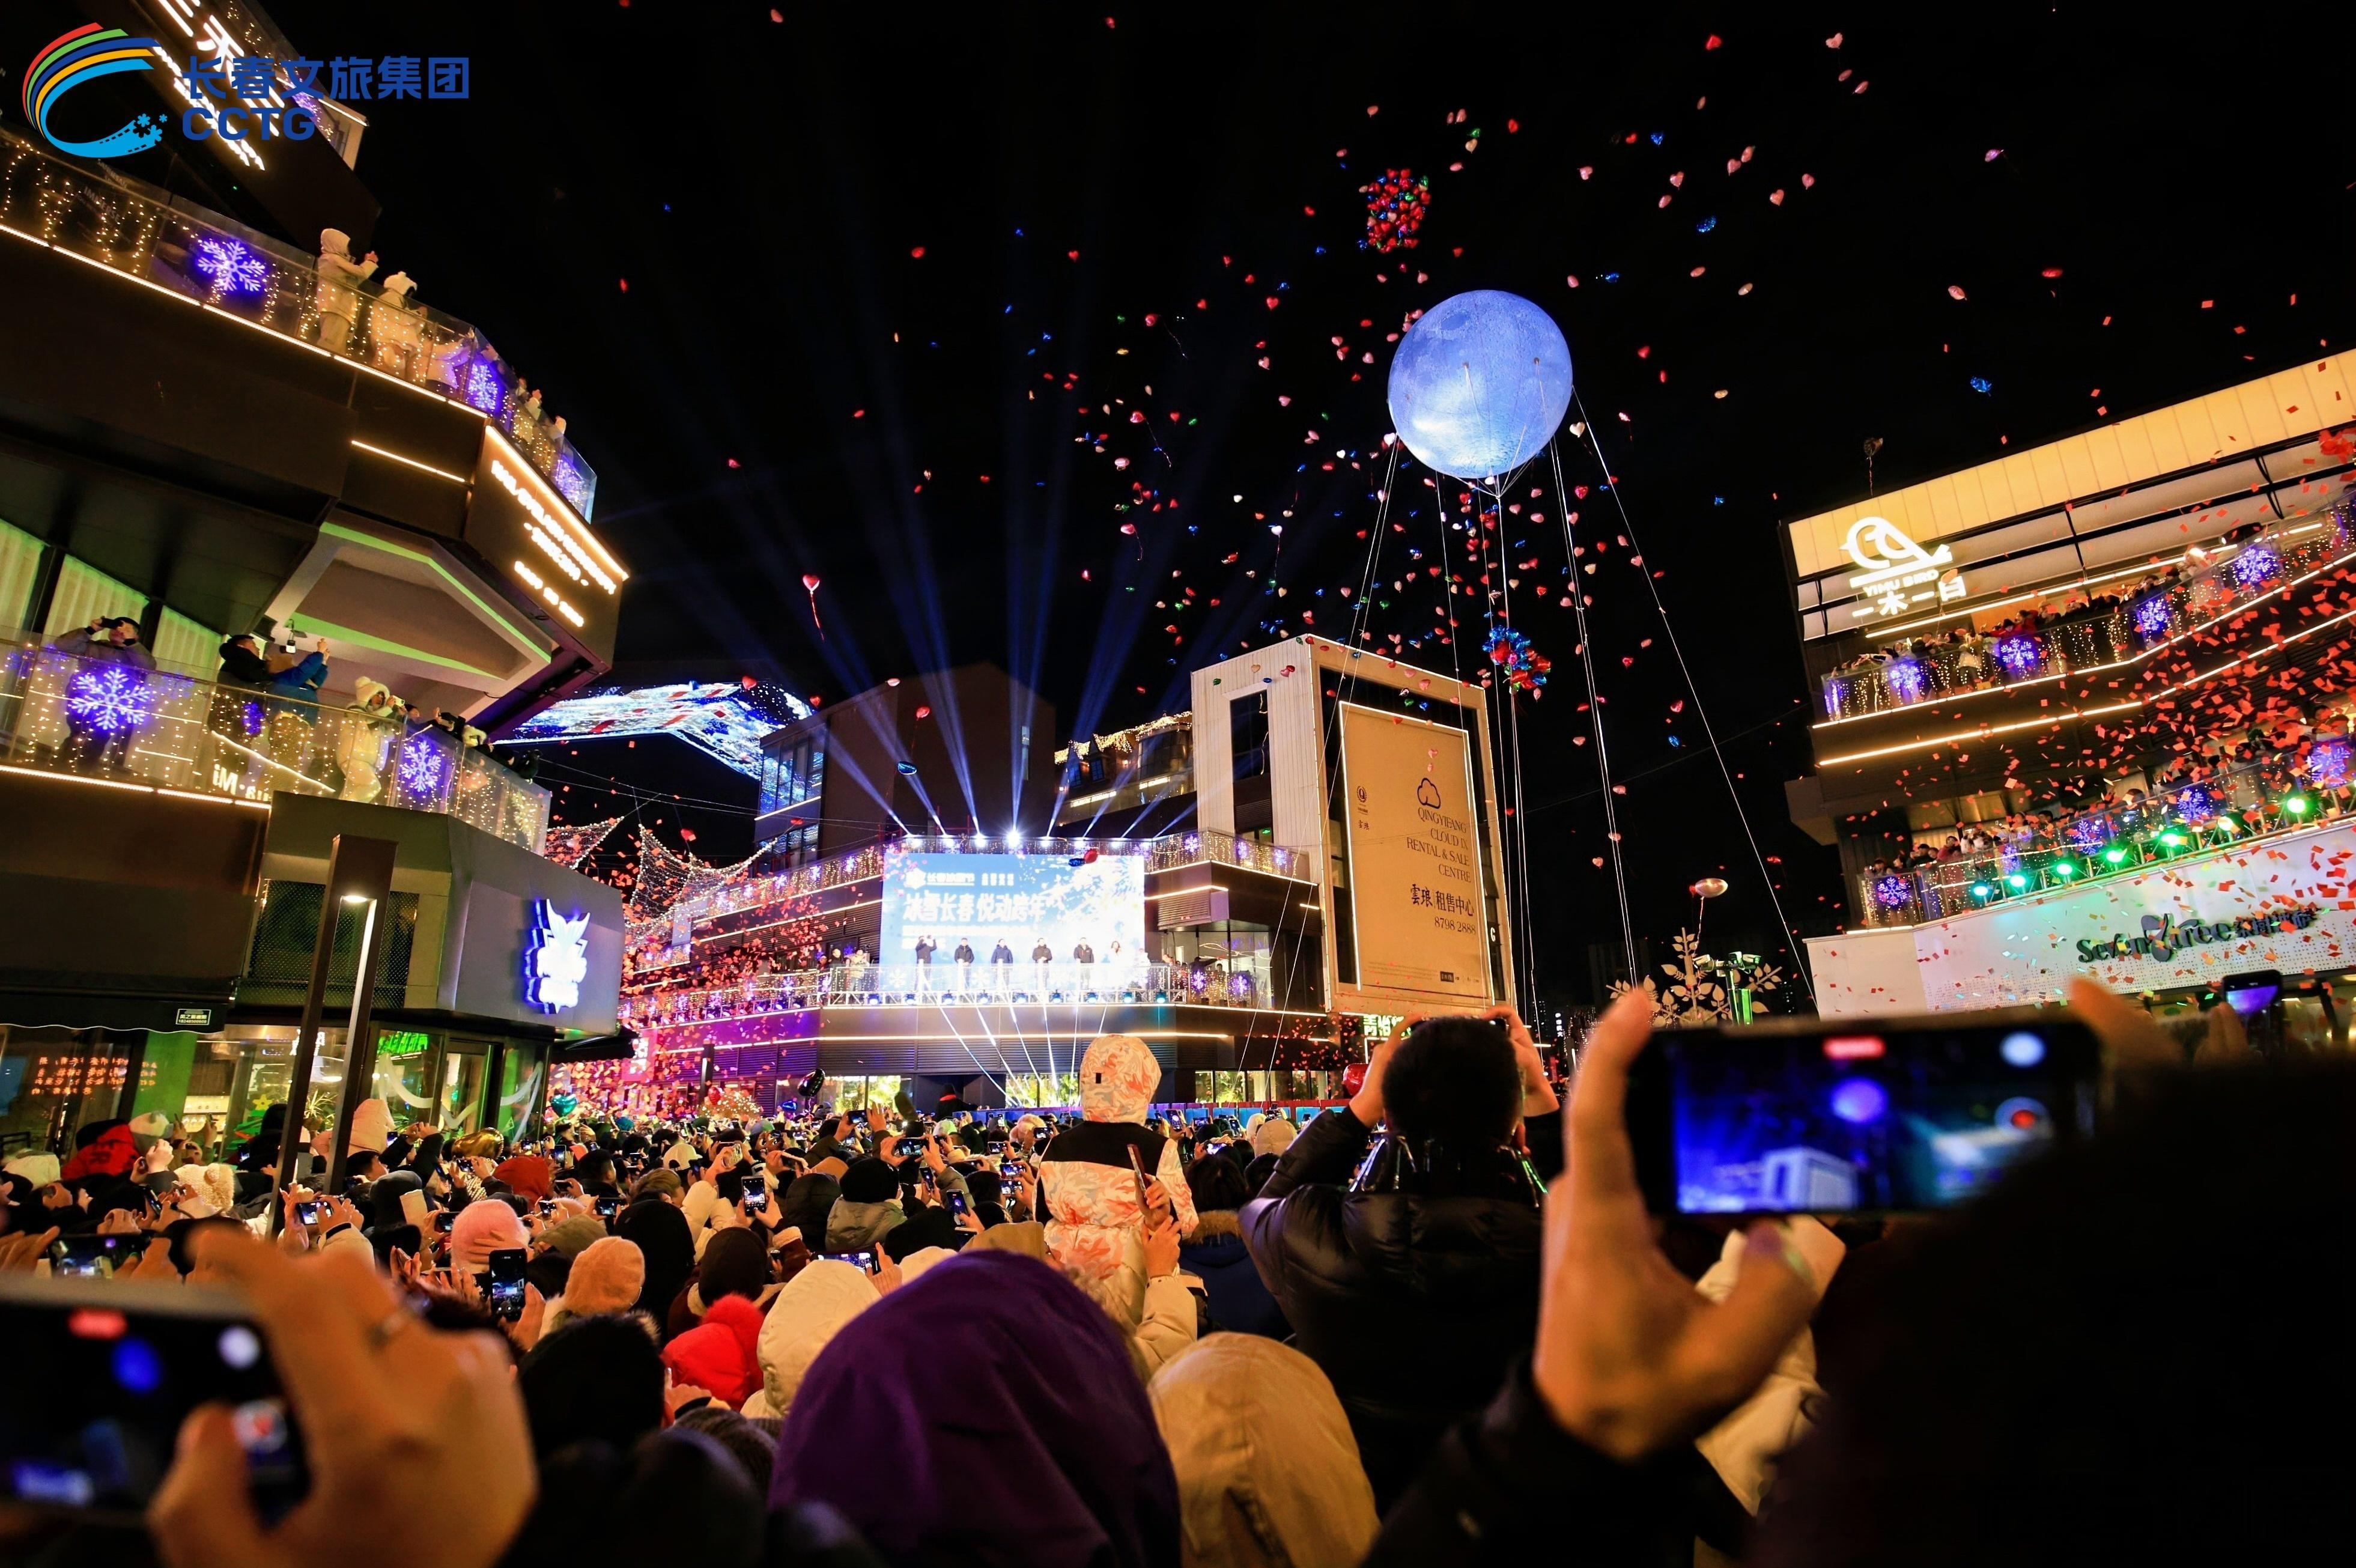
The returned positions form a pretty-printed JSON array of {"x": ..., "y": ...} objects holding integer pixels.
[
  {"x": 1007, "y": 908},
  {"x": 1417, "y": 911}
]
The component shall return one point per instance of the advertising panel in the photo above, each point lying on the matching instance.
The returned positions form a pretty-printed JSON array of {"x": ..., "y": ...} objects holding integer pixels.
[
  {"x": 1008, "y": 908},
  {"x": 1416, "y": 910}
]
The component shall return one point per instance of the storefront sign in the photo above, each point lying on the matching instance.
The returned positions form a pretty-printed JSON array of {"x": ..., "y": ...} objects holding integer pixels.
[
  {"x": 2287, "y": 903},
  {"x": 2162, "y": 935},
  {"x": 556, "y": 958},
  {"x": 394, "y": 1043},
  {"x": 1899, "y": 573},
  {"x": 192, "y": 1018}
]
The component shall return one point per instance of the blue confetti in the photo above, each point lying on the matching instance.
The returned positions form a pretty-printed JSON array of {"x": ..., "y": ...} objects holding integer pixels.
[
  {"x": 1982, "y": 384},
  {"x": 1705, "y": 225},
  {"x": 1658, "y": 138},
  {"x": 1611, "y": 277}
]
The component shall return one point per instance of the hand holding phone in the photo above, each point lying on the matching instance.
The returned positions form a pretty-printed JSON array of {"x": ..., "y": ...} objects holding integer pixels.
[{"x": 502, "y": 1283}]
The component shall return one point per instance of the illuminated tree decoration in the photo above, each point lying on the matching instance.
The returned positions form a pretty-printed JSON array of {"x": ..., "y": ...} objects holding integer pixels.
[
  {"x": 253, "y": 718},
  {"x": 232, "y": 268},
  {"x": 112, "y": 699},
  {"x": 1893, "y": 891},
  {"x": 2328, "y": 762},
  {"x": 1834, "y": 689},
  {"x": 424, "y": 770},
  {"x": 2018, "y": 653},
  {"x": 2153, "y": 615},
  {"x": 1905, "y": 680},
  {"x": 2255, "y": 564}
]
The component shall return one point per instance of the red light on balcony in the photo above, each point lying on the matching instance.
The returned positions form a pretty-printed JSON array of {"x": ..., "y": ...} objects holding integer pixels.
[
  {"x": 95, "y": 1323},
  {"x": 1854, "y": 1048}
]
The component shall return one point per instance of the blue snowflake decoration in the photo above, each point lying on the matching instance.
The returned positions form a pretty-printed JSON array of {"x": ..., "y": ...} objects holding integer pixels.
[
  {"x": 1905, "y": 680},
  {"x": 2328, "y": 762},
  {"x": 2152, "y": 618},
  {"x": 425, "y": 768},
  {"x": 112, "y": 699},
  {"x": 1893, "y": 891},
  {"x": 2255, "y": 564},
  {"x": 570, "y": 485},
  {"x": 484, "y": 392},
  {"x": 2089, "y": 833},
  {"x": 253, "y": 718},
  {"x": 2195, "y": 806},
  {"x": 232, "y": 267},
  {"x": 2018, "y": 653}
]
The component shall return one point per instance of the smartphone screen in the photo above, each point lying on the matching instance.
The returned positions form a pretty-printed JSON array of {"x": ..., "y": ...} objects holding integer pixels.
[
  {"x": 957, "y": 1202},
  {"x": 1011, "y": 1170},
  {"x": 310, "y": 1209},
  {"x": 503, "y": 1284},
  {"x": 93, "y": 1256},
  {"x": 608, "y": 1207},
  {"x": 101, "y": 1377},
  {"x": 1827, "y": 1116},
  {"x": 547, "y": 1207},
  {"x": 911, "y": 1147},
  {"x": 863, "y": 1262},
  {"x": 757, "y": 1192}
]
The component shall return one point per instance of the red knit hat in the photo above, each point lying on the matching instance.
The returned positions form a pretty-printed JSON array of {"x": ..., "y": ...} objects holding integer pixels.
[
  {"x": 721, "y": 1353},
  {"x": 528, "y": 1175}
]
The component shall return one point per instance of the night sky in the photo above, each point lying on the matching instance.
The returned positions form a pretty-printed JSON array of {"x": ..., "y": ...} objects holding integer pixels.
[{"x": 699, "y": 230}]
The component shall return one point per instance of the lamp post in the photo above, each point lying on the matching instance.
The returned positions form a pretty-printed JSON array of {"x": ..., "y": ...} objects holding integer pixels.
[
  {"x": 360, "y": 872},
  {"x": 1708, "y": 889}
]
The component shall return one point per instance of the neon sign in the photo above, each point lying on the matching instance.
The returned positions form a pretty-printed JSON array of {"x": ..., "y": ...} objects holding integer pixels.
[
  {"x": 1899, "y": 573},
  {"x": 556, "y": 958}
]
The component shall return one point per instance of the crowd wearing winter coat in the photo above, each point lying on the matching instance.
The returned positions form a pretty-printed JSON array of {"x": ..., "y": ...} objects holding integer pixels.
[{"x": 1473, "y": 1344}]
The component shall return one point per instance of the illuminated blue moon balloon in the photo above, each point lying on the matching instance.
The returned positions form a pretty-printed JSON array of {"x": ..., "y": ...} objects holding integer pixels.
[{"x": 1480, "y": 384}]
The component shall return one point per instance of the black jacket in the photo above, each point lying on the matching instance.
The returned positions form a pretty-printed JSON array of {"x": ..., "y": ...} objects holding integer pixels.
[{"x": 1415, "y": 1306}]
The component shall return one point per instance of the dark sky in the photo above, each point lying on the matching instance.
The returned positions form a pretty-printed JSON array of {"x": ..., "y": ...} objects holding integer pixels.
[{"x": 2130, "y": 212}]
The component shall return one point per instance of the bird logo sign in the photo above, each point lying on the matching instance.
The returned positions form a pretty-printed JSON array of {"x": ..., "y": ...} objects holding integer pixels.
[
  {"x": 1899, "y": 573},
  {"x": 556, "y": 958}
]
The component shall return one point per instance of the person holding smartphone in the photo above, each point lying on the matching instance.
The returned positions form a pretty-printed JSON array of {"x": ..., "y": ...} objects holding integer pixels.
[{"x": 1097, "y": 1178}]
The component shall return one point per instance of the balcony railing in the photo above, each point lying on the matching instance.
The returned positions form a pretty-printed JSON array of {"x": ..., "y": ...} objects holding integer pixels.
[
  {"x": 1023, "y": 985},
  {"x": 2230, "y": 808},
  {"x": 222, "y": 266},
  {"x": 1913, "y": 671},
  {"x": 97, "y": 719},
  {"x": 1191, "y": 848}
]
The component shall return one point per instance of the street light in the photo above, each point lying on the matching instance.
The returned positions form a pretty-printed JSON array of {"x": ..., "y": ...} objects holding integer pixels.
[{"x": 1708, "y": 889}]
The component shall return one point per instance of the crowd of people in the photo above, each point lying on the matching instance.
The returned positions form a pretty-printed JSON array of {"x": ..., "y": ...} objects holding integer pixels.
[
  {"x": 1437, "y": 1325},
  {"x": 2282, "y": 770}
]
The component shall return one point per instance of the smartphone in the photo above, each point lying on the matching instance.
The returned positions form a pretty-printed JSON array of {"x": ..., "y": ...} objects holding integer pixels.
[
  {"x": 102, "y": 1374},
  {"x": 1137, "y": 1169},
  {"x": 310, "y": 1210},
  {"x": 1011, "y": 1170},
  {"x": 93, "y": 1256},
  {"x": 503, "y": 1284},
  {"x": 957, "y": 1203},
  {"x": 757, "y": 1192},
  {"x": 608, "y": 1207},
  {"x": 863, "y": 1262},
  {"x": 547, "y": 1207},
  {"x": 911, "y": 1147},
  {"x": 1855, "y": 1116}
]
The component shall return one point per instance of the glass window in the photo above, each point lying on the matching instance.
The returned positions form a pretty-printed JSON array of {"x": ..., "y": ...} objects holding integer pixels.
[
  {"x": 84, "y": 592},
  {"x": 20, "y": 564}
]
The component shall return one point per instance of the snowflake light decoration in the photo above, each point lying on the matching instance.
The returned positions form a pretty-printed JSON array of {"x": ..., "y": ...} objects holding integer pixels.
[
  {"x": 2152, "y": 616},
  {"x": 484, "y": 392},
  {"x": 2089, "y": 833},
  {"x": 1905, "y": 680},
  {"x": 566, "y": 476},
  {"x": 1893, "y": 891},
  {"x": 234, "y": 268},
  {"x": 2254, "y": 566},
  {"x": 2328, "y": 762},
  {"x": 2018, "y": 653},
  {"x": 424, "y": 770},
  {"x": 112, "y": 699},
  {"x": 2195, "y": 805}
]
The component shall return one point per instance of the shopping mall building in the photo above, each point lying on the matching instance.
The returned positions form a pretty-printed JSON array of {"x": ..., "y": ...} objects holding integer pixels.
[
  {"x": 2083, "y": 710},
  {"x": 202, "y": 435},
  {"x": 1251, "y": 886}
]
